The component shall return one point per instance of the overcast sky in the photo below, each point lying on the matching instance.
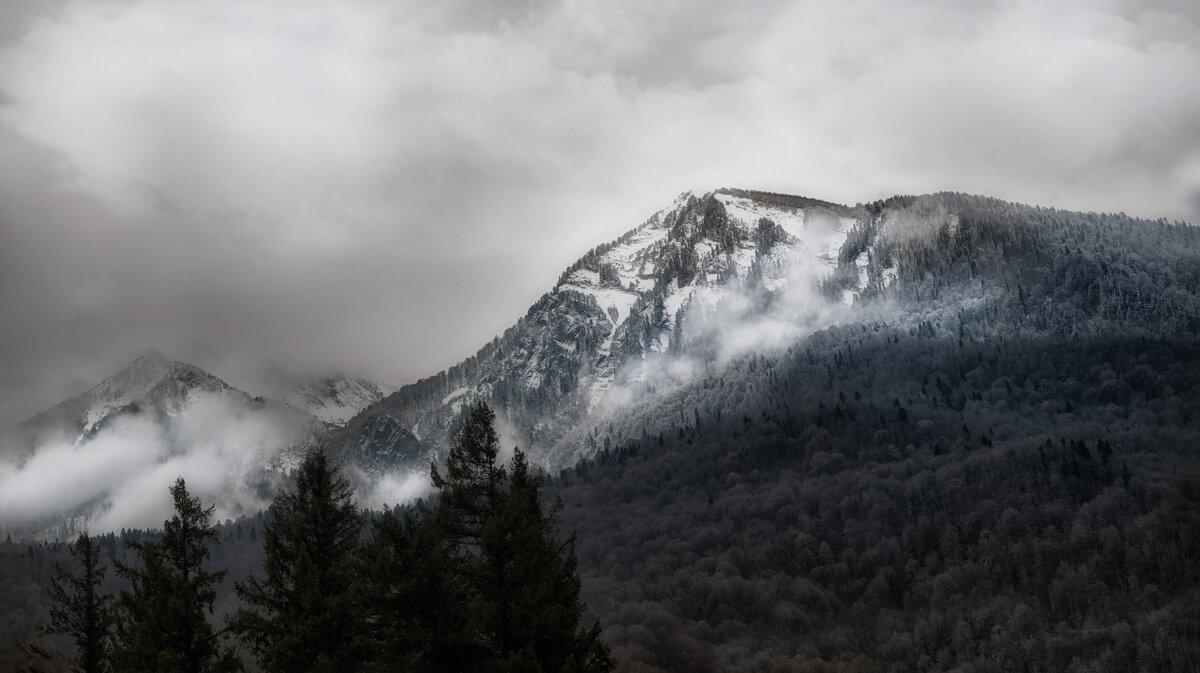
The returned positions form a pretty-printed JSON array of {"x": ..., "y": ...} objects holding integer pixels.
[{"x": 379, "y": 187}]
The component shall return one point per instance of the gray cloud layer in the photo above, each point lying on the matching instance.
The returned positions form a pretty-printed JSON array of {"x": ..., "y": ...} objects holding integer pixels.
[{"x": 381, "y": 186}]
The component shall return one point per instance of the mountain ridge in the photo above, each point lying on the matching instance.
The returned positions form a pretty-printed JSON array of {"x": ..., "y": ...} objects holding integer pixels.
[
  {"x": 918, "y": 261},
  {"x": 636, "y": 337},
  {"x": 150, "y": 382}
]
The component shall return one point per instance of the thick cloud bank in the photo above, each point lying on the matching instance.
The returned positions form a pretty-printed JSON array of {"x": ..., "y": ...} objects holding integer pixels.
[{"x": 380, "y": 187}]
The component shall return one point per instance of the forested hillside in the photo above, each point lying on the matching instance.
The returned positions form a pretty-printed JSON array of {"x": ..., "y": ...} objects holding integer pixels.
[{"x": 889, "y": 502}]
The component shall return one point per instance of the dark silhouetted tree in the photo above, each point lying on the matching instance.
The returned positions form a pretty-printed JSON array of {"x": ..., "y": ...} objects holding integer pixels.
[
  {"x": 302, "y": 616},
  {"x": 413, "y": 598},
  {"x": 80, "y": 610},
  {"x": 161, "y": 620},
  {"x": 522, "y": 588}
]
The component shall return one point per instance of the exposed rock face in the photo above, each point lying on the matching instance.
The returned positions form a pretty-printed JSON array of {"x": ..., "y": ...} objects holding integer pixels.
[
  {"x": 621, "y": 304},
  {"x": 151, "y": 385},
  {"x": 735, "y": 273}
]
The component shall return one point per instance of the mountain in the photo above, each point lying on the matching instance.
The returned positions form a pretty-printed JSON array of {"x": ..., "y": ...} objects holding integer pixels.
[
  {"x": 623, "y": 302},
  {"x": 940, "y": 432},
  {"x": 150, "y": 384},
  {"x": 332, "y": 398},
  {"x": 635, "y": 337},
  {"x": 155, "y": 416},
  {"x": 724, "y": 275}
]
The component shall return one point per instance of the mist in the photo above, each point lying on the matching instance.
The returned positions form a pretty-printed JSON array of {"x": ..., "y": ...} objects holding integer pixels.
[
  {"x": 775, "y": 300},
  {"x": 231, "y": 456}
]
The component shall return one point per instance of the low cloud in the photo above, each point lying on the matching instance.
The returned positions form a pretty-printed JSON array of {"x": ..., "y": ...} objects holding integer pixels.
[
  {"x": 395, "y": 488},
  {"x": 230, "y": 456}
]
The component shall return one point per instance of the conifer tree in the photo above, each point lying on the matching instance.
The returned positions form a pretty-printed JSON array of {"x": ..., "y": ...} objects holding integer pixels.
[
  {"x": 471, "y": 489},
  {"x": 412, "y": 596},
  {"x": 80, "y": 610},
  {"x": 302, "y": 615},
  {"x": 162, "y": 623},
  {"x": 521, "y": 585}
]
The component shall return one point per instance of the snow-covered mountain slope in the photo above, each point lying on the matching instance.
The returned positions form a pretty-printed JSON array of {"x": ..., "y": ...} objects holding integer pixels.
[
  {"x": 333, "y": 399},
  {"x": 732, "y": 273},
  {"x": 150, "y": 383},
  {"x": 152, "y": 387},
  {"x": 110, "y": 452},
  {"x": 622, "y": 311}
]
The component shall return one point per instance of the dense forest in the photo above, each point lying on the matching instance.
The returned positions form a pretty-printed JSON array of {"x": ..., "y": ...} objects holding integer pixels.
[{"x": 907, "y": 503}]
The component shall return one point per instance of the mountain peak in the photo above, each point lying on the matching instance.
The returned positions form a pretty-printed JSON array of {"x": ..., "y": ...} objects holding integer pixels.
[
  {"x": 150, "y": 360},
  {"x": 150, "y": 368}
]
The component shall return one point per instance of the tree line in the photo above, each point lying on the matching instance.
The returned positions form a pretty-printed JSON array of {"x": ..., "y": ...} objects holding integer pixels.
[{"x": 477, "y": 581}]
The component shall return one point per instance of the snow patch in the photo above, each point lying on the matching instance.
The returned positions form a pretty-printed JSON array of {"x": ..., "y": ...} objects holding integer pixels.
[
  {"x": 457, "y": 392},
  {"x": 889, "y": 276},
  {"x": 863, "y": 262}
]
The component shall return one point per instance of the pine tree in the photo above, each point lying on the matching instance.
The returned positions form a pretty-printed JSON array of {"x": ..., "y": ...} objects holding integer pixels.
[
  {"x": 532, "y": 592},
  {"x": 471, "y": 489},
  {"x": 302, "y": 615},
  {"x": 412, "y": 596},
  {"x": 161, "y": 622},
  {"x": 521, "y": 584},
  {"x": 80, "y": 610}
]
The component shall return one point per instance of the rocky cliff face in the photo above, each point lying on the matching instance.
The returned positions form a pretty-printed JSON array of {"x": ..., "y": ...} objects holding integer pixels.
[
  {"x": 622, "y": 310},
  {"x": 733, "y": 273}
]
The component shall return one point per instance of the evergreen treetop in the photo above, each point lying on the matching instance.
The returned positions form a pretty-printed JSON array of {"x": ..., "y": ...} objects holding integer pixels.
[
  {"x": 302, "y": 615},
  {"x": 80, "y": 610},
  {"x": 162, "y": 620}
]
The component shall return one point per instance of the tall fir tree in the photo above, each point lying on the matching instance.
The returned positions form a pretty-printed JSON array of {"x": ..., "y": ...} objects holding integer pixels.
[
  {"x": 471, "y": 489},
  {"x": 302, "y": 616},
  {"x": 79, "y": 609},
  {"x": 162, "y": 620},
  {"x": 539, "y": 614},
  {"x": 412, "y": 596},
  {"x": 521, "y": 585}
]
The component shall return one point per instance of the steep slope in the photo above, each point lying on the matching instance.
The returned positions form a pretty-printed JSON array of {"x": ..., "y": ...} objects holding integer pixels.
[
  {"x": 621, "y": 304},
  {"x": 735, "y": 272}
]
